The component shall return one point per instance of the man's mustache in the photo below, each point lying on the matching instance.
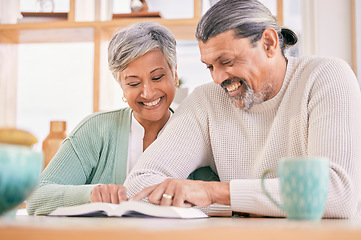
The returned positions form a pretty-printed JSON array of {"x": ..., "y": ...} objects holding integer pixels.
[{"x": 229, "y": 81}]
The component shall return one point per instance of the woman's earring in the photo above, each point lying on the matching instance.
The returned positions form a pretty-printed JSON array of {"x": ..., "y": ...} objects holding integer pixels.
[
  {"x": 177, "y": 86},
  {"x": 124, "y": 99}
]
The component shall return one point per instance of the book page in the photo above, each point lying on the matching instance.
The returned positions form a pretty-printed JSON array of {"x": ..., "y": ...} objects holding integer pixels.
[
  {"x": 128, "y": 209},
  {"x": 134, "y": 208},
  {"x": 89, "y": 209}
]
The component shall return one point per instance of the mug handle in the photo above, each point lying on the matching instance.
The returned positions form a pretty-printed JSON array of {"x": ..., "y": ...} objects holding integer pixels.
[{"x": 265, "y": 173}]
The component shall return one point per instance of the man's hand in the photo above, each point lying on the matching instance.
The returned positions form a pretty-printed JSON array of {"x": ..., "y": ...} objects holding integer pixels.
[
  {"x": 109, "y": 193},
  {"x": 186, "y": 193}
]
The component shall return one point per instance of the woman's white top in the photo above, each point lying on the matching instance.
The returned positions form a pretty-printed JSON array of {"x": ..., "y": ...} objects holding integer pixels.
[{"x": 135, "y": 144}]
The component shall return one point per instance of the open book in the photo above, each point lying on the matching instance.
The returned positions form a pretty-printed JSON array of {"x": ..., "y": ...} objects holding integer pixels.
[{"x": 127, "y": 209}]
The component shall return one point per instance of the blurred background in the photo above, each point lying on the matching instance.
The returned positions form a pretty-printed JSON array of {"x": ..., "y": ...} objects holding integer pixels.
[{"x": 65, "y": 80}]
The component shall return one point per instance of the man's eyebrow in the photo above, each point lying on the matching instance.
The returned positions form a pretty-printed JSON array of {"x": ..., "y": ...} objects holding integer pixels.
[{"x": 215, "y": 60}]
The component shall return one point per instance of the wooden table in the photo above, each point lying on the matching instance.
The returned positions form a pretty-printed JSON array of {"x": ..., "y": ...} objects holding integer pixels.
[{"x": 68, "y": 228}]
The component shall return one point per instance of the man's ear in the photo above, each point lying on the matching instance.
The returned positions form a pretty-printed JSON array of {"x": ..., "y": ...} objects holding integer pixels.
[{"x": 270, "y": 41}]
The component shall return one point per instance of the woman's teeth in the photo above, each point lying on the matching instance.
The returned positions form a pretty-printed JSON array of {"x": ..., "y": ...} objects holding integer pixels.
[
  {"x": 233, "y": 87},
  {"x": 149, "y": 104}
]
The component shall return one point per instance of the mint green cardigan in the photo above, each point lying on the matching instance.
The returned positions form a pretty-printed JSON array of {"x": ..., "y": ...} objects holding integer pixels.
[{"x": 95, "y": 152}]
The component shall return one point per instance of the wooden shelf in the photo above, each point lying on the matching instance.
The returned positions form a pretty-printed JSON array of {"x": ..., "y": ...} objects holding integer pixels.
[
  {"x": 66, "y": 31},
  {"x": 45, "y": 14},
  {"x": 137, "y": 15}
]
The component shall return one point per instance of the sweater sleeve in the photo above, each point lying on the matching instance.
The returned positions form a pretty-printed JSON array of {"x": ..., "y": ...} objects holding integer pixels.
[
  {"x": 91, "y": 155},
  {"x": 61, "y": 183},
  {"x": 335, "y": 131}
]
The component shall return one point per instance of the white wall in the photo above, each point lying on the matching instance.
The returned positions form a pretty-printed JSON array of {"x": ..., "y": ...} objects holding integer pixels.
[
  {"x": 358, "y": 38},
  {"x": 327, "y": 28},
  {"x": 55, "y": 82},
  {"x": 8, "y": 84}
]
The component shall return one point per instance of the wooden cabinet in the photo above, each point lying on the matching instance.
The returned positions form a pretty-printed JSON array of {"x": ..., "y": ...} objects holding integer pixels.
[{"x": 65, "y": 29}]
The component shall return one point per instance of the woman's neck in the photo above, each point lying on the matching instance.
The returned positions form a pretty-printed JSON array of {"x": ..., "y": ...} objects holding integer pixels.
[{"x": 152, "y": 128}]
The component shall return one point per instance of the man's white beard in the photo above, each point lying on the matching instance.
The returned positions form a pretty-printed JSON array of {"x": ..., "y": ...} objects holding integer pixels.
[{"x": 247, "y": 99}]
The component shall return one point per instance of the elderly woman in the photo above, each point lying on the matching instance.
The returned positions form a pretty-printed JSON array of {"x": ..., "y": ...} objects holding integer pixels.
[{"x": 93, "y": 162}]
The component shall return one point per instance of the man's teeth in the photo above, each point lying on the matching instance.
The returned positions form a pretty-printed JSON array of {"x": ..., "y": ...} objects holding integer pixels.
[
  {"x": 233, "y": 87},
  {"x": 149, "y": 104}
]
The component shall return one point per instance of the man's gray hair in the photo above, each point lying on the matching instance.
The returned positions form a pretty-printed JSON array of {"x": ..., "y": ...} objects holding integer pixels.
[
  {"x": 249, "y": 18},
  {"x": 134, "y": 41}
]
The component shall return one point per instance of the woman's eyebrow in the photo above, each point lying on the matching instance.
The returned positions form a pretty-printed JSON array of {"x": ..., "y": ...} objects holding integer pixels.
[
  {"x": 135, "y": 76},
  {"x": 160, "y": 68},
  {"x": 130, "y": 76}
]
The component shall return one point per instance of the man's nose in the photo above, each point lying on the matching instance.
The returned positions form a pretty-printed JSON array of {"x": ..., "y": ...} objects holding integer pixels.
[{"x": 219, "y": 75}]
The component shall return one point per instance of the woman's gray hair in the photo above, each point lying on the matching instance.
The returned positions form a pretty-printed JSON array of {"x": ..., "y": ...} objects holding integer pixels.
[
  {"x": 134, "y": 41},
  {"x": 249, "y": 18}
]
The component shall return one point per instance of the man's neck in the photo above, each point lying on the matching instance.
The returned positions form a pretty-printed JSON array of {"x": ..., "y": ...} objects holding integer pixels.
[{"x": 278, "y": 72}]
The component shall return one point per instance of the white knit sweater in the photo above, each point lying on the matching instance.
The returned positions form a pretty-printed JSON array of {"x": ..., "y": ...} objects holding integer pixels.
[{"x": 316, "y": 113}]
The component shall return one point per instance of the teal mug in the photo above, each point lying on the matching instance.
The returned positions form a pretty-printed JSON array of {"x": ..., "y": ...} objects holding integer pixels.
[
  {"x": 304, "y": 186},
  {"x": 20, "y": 168}
]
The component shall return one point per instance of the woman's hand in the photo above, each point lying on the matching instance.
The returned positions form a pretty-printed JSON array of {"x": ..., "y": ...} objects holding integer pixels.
[{"x": 109, "y": 193}]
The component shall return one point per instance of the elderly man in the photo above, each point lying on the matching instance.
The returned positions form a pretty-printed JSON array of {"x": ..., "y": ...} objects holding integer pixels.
[{"x": 261, "y": 107}]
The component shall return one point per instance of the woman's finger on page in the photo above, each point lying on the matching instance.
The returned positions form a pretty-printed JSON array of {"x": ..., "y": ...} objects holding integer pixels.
[
  {"x": 122, "y": 193},
  {"x": 95, "y": 195},
  {"x": 113, "y": 193},
  {"x": 144, "y": 193},
  {"x": 105, "y": 193}
]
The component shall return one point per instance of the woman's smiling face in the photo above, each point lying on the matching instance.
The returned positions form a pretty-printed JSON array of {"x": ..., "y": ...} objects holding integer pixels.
[{"x": 149, "y": 86}]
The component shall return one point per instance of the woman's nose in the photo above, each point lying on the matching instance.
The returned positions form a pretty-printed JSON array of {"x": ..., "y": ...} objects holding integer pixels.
[{"x": 148, "y": 91}]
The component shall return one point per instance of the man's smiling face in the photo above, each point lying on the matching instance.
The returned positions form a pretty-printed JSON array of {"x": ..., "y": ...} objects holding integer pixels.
[{"x": 240, "y": 67}]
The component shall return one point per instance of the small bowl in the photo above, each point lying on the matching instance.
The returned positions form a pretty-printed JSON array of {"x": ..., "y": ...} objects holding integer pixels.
[{"x": 20, "y": 167}]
